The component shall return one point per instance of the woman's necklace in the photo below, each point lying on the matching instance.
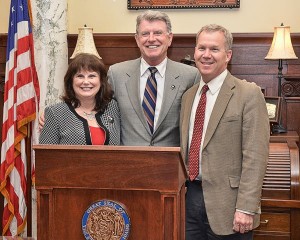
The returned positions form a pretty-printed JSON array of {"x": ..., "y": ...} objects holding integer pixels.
[{"x": 89, "y": 116}]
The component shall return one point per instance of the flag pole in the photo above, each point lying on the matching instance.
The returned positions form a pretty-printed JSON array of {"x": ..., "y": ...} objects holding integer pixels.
[
  {"x": 2, "y": 81},
  {"x": 29, "y": 180}
]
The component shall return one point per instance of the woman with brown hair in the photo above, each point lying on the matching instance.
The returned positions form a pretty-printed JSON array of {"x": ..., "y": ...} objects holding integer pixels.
[{"x": 88, "y": 114}]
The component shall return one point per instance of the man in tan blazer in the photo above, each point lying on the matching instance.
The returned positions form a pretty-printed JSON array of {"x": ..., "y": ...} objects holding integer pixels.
[{"x": 223, "y": 202}]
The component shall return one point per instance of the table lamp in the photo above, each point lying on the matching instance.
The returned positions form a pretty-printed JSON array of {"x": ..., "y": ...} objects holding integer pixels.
[
  {"x": 85, "y": 42},
  {"x": 281, "y": 49}
]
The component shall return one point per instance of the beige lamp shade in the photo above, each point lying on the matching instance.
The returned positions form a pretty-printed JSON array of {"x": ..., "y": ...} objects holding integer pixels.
[
  {"x": 281, "y": 47},
  {"x": 85, "y": 42}
]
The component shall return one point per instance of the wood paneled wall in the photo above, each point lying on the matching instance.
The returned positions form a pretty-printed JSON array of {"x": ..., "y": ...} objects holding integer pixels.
[{"x": 249, "y": 51}]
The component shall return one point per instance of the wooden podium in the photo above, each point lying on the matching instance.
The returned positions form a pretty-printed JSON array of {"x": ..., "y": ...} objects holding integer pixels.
[{"x": 148, "y": 181}]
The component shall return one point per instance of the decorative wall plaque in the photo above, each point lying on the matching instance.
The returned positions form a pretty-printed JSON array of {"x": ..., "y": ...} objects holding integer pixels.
[
  {"x": 291, "y": 86},
  {"x": 159, "y": 4}
]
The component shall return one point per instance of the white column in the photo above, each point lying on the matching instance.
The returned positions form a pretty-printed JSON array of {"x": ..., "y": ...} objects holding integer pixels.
[{"x": 51, "y": 59}]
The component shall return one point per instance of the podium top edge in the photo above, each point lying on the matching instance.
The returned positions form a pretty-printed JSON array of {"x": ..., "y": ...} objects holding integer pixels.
[{"x": 106, "y": 148}]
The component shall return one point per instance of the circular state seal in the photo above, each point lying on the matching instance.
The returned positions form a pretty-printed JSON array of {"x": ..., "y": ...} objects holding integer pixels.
[{"x": 105, "y": 220}]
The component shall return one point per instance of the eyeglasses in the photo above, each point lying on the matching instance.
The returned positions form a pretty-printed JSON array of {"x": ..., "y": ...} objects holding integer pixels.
[{"x": 155, "y": 34}]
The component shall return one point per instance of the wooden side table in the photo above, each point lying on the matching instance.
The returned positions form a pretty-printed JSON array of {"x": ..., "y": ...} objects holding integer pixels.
[{"x": 285, "y": 137}]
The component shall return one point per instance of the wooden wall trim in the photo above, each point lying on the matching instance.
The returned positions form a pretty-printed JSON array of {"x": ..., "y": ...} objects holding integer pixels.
[
  {"x": 115, "y": 48},
  {"x": 180, "y": 40},
  {"x": 249, "y": 51}
]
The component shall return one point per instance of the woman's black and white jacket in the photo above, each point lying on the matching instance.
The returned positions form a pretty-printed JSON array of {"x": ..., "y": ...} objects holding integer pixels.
[{"x": 63, "y": 125}]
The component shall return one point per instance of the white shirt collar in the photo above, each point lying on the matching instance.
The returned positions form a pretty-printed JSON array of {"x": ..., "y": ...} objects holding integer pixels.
[
  {"x": 215, "y": 84},
  {"x": 161, "y": 68}
]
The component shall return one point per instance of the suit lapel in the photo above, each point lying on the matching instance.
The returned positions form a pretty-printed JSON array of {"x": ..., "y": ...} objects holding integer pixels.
[
  {"x": 219, "y": 108},
  {"x": 133, "y": 89},
  {"x": 171, "y": 87}
]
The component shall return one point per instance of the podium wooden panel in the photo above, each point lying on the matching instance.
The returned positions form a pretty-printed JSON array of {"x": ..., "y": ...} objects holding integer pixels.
[{"x": 148, "y": 181}]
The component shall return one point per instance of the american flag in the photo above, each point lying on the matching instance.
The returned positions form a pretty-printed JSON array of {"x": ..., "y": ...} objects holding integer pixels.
[{"x": 21, "y": 96}]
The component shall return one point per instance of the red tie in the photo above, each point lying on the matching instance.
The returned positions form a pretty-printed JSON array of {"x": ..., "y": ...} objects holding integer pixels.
[{"x": 197, "y": 136}]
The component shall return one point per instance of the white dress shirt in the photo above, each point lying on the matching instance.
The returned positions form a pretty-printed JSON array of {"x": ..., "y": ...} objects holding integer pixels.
[
  {"x": 160, "y": 79},
  {"x": 211, "y": 96}
]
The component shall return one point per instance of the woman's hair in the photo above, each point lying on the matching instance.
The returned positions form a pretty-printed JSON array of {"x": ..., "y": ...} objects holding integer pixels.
[{"x": 87, "y": 62}]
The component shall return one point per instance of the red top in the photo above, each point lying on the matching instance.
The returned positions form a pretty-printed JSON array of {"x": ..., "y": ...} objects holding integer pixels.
[{"x": 97, "y": 135}]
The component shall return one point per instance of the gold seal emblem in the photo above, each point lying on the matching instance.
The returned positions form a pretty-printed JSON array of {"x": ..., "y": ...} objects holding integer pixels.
[{"x": 105, "y": 220}]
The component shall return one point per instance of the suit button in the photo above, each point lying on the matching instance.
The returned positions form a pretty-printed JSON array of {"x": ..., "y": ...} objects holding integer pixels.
[{"x": 151, "y": 143}]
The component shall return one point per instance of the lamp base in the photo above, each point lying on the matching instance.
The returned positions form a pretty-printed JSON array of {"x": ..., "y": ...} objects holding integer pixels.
[{"x": 278, "y": 128}]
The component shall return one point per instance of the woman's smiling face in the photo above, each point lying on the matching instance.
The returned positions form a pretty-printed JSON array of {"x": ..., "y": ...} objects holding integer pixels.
[{"x": 86, "y": 84}]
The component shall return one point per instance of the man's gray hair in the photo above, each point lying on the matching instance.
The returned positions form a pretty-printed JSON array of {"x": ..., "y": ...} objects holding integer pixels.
[
  {"x": 218, "y": 28},
  {"x": 151, "y": 16}
]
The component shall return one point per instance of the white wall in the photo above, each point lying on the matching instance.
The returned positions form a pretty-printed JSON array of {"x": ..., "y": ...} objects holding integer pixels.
[{"x": 112, "y": 16}]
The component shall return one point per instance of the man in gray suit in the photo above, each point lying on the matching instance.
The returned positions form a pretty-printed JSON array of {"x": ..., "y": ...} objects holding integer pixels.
[
  {"x": 128, "y": 79},
  {"x": 224, "y": 187}
]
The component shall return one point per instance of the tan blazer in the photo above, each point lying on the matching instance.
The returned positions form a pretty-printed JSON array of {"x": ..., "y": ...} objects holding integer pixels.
[{"x": 235, "y": 151}]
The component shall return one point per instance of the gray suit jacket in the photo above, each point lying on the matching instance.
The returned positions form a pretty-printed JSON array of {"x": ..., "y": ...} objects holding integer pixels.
[
  {"x": 125, "y": 80},
  {"x": 235, "y": 151}
]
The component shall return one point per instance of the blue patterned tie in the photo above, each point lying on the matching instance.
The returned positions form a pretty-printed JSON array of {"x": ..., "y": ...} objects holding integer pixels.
[{"x": 149, "y": 100}]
